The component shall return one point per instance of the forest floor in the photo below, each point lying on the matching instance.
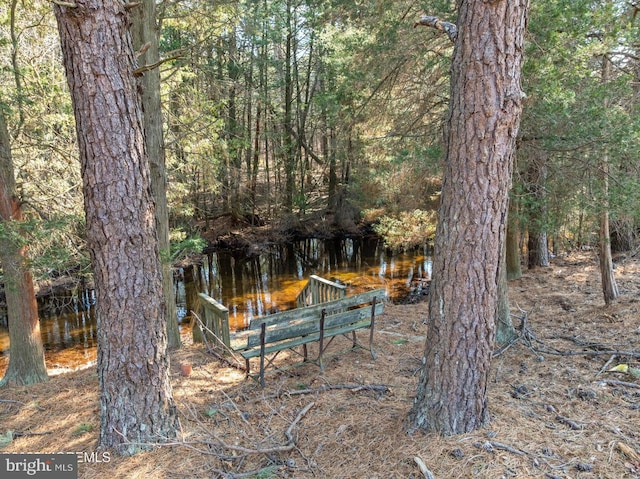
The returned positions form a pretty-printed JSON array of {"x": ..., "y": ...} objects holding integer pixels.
[{"x": 555, "y": 411}]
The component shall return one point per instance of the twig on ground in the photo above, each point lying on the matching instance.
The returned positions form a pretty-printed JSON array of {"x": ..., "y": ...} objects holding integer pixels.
[
  {"x": 597, "y": 349},
  {"x": 616, "y": 352},
  {"x": 423, "y": 468},
  {"x": 568, "y": 422},
  {"x": 238, "y": 364},
  {"x": 525, "y": 334},
  {"x": 503, "y": 349},
  {"x": 504, "y": 447},
  {"x": 29, "y": 433},
  {"x": 291, "y": 444},
  {"x": 244, "y": 451},
  {"x": 378, "y": 388},
  {"x": 580, "y": 342},
  {"x": 629, "y": 452},
  {"x": 288, "y": 433},
  {"x": 615, "y": 382},
  {"x": 236, "y": 408},
  {"x": 606, "y": 365}
]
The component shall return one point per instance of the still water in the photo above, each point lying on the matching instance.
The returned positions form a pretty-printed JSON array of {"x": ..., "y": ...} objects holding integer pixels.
[{"x": 248, "y": 286}]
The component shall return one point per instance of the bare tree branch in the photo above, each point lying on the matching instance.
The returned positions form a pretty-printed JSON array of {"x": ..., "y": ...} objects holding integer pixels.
[
  {"x": 434, "y": 22},
  {"x": 172, "y": 56},
  {"x": 65, "y": 4}
]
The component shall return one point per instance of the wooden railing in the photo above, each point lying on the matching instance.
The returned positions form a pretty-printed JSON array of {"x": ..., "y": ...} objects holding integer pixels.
[
  {"x": 215, "y": 318},
  {"x": 319, "y": 290}
]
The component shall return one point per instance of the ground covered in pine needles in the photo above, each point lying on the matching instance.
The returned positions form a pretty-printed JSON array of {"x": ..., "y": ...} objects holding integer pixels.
[{"x": 556, "y": 411}]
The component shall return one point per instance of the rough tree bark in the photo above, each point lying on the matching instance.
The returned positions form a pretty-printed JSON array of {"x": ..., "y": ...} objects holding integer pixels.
[
  {"x": 537, "y": 243},
  {"x": 609, "y": 285},
  {"x": 136, "y": 403},
  {"x": 145, "y": 41},
  {"x": 505, "y": 331},
  {"x": 26, "y": 354},
  {"x": 513, "y": 259},
  {"x": 483, "y": 122}
]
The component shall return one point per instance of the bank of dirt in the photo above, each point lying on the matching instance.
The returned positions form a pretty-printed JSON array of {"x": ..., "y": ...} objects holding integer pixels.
[{"x": 552, "y": 415}]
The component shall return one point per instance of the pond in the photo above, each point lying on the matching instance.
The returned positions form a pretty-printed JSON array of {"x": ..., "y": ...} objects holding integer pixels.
[{"x": 249, "y": 286}]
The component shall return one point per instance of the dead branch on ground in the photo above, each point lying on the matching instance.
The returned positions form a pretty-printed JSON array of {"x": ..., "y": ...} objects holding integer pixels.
[
  {"x": 568, "y": 422},
  {"x": 215, "y": 446},
  {"x": 617, "y": 352},
  {"x": 606, "y": 365},
  {"x": 377, "y": 388},
  {"x": 512, "y": 450},
  {"x": 527, "y": 337},
  {"x": 614, "y": 382},
  {"x": 423, "y": 468},
  {"x": 210, "y": 349}
]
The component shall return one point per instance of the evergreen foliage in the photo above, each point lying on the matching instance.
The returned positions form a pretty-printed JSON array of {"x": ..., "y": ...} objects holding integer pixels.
[{"x": 335, "y": 105}]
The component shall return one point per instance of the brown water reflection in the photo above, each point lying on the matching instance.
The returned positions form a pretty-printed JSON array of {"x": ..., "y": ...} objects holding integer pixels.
[{"x": 248, "y": 286}]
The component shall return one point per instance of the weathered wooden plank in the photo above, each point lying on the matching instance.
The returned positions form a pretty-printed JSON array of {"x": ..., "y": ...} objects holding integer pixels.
[
  {"x": 327, "y": 282},
  {"x": 304, "y": 327},
  {"x": 216, "y": 318},
  {"x": 279, "y": 346},
  {"x": 320, "y": 290},
  {"x": 212, "y": 302},
  {"x": 310, "y": 311}
]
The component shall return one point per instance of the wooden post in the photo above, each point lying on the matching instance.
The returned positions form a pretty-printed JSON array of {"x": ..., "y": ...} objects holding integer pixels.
[
  {"x": 216, "y": 319},
  {"x": 373, "y": 321},
  {"x": 321, "y": 340},
  {"x": 225, "y": 336},
  {"x": 263, "y": 332}
]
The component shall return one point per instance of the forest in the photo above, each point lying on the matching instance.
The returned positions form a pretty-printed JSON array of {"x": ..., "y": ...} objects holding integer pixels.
[
  {"x": 135, "y": 136},
  {"x": 324, "y": 115}
]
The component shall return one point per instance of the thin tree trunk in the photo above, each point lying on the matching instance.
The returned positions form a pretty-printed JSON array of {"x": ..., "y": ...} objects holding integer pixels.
[
  {"x": 505, "y": 331},
  {"x": 136, "y": 403},
  {"x": 484, "y": 115},
  {"x": 513, "y": 257},
  {"x": 287, "y": 136},
  {"x": 233, "y": 128},
  {"x": 537, "y": 245},
  {"x": 26, "y": 354},
  {"x": 609, "y": 286},
  {"x": 145, "y": 39}
]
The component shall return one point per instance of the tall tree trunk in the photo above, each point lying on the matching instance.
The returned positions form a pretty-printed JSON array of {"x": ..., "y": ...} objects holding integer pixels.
[
  {"x": 136, "y": 403},
  {"x": 538, "y": 249},
  {"x": 537, "y": 245},
  {"x": 505, "y": 331},
  {"x": 26, "y": 354},
  {"x": 609, "y": 286},
  {"x": 287, "y": 133},
  {"x": 234, "y": 131},
  {"x": 484, "y": 116},
  {"x": 145, "y": 40},
  {"x": 513, "y": 260}
]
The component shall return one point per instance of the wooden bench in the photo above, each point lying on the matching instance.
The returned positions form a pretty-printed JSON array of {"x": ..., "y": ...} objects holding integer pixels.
[{"x": 322, "y": 323}]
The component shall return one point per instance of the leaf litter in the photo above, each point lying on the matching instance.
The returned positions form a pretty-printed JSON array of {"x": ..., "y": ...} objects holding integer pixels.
[{"x": 556, "y": 408}]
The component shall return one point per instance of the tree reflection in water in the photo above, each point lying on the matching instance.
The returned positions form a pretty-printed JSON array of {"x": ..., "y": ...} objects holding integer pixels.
[{"x": 249, "y": 286}]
